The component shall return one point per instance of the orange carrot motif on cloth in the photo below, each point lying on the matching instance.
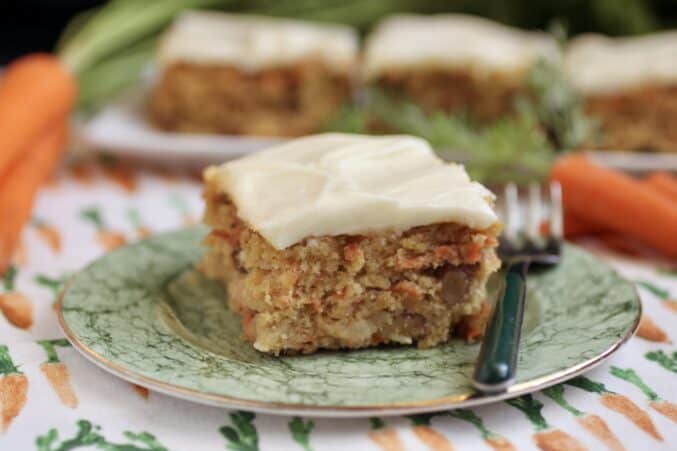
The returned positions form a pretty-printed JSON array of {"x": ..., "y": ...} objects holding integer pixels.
[
  {"x": 16, "y": 307},
  {"x": 666, "y": 408},
  {"x": 650, "y": 331},
  {"x": 385, "y": 437},
  {"x": 108, "y": 239},
  {"x": 181, "y": 206},
  {"x": 546, "y": 437},
  {"x": 493, "y": 440},
  {"x": 664, "y": 295},
  {"x": 433, "y": 439},
  {"x": 50, "y": 235},
  {"x": 618, "y": 403},
  {"x": 135, "y": 219},
  {"x": 142, "y": 391},
  {"x": 120, "y": 173},
  {"x": 591, "y": 422},
  {"x": 55, "y": 285},
  {"x": 57, "y": 373},
  {"x": 13, "y": 389}
]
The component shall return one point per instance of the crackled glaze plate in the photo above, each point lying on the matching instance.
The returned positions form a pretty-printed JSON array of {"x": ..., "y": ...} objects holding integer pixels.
[{"x": 145, "y": 314}]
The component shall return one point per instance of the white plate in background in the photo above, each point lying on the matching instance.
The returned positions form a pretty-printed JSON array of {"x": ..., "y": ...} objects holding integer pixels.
[{"x": 121, "y": 128}]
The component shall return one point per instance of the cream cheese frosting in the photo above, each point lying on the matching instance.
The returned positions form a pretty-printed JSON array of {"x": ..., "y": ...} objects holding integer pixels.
[
  {"x": 335, "y": 184},
  {"x": 253, "y": 42},
  {"x": 598, "y": 64},
  {"x": 453, "y": 41}
]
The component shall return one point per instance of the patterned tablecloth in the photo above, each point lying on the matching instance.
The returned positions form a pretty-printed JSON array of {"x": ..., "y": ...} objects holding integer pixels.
[{"x": 51, "y": 398}]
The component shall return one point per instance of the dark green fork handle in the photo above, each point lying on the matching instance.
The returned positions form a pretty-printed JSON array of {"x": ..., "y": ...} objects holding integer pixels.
[{"x": 497, "y": 362}]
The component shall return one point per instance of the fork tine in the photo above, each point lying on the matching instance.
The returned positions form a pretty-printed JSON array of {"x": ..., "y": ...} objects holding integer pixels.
[
  {"x": 534, "y": 213},
  {"x": 556, "y": 211},
  {"x": 511, "y": 212}
]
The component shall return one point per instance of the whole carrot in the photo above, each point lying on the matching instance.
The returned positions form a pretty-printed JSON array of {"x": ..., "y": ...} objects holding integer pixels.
[
  {"x": 663, "y": 183},
  {"x": 15, "y": 307},
  {"x": 19, "y": 186},
  {"x": 57, "y": 373},
  {"x": 618, "y": 403},
  {"x": 36, "y": 92},
  {"x": 13, "y": 389},
  {"x": 384, "y": 437},
  {"x": 617, "y": 202}
]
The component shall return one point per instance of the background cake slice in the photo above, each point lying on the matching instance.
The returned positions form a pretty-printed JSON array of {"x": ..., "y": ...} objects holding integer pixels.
[
  {"x": 453, "y": 62},
  {"x": 240, "y": 74},
  {"x": 630, "y": 88},
  {"x": 348, "y": 241}
]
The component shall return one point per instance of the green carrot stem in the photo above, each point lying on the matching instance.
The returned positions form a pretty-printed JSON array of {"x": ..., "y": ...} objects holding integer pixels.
[
  {"x": 50, "y": 283},
  {"x": 532, "y": 409},
  {"x": 472, "y": 418},
  {"x": 376, "y": 423},
  {"x": 423, "y": 419},
  {"x": 134, "y": 217},
  {"x": 93, "y": 215},
  {"x": 556, "y": 393},
  {"x": 49, "y": 346},
  {"x": 654, "y": 289},
  {"x": 664, "y": 360},
  {"x": 6, "y": 364},
  {"x": 8, "y": 278},
  {"x": 588, "y": 385},
  {"x": 300, "y": 431},
  {"x": 629, "y": 375}
]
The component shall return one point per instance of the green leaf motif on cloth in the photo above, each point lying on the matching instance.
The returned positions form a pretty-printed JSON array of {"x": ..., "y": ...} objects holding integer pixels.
[
  {"x": 532, "y": 409},
  {"x": 669, "y": 362},
  {"x": 629, "y": 375},
  {"x": 300, "y": 432},
  {"x": 556, "y": 393},
  {"x": 654, "y": 289},
  {"x": 242, "y": 436},
  {"x": 7, "y": 366},
  {"x": 88, "y": 436}
]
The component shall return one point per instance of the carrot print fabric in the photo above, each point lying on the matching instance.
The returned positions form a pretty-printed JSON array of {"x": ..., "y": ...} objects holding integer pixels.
[{"x": 52, "y": 398}]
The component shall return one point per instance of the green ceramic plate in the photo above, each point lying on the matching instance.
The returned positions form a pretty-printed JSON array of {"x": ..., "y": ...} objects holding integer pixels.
[{"x": 144, "y": 314}]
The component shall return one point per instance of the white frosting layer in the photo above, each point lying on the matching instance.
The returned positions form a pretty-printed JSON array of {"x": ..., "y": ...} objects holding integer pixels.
[
  {"x": 453, "y": 41},
  {"x": 334, "y": 184},
  {"x": 597, "y": 64},
  {"x": 253, "y": 42}
]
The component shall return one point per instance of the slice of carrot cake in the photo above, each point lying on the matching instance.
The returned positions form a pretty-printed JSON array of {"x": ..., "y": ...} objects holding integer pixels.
[
  {"x": 348, "y": 241},
  {"x": 454, "y": 62},
  {"x": 630, "y": 87},
  {"x": 251, "y": 75}
]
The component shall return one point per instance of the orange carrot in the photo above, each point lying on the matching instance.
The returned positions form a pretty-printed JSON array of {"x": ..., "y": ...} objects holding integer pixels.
[
  {"x": 59, "y": 378},
  {"x": 663, "y": 183},
  {"x": 387, "y": 439},
  {"x": 36, "y": 92},
  {"x": 629, "y": 409},
  {"x": 650, "y": 331},
  {"x": 598, "y": 427},
  {"x": 671, "y": 304},
  {"x": 575, "y": 226},
  {"x": 16, "y": 307},
  {"x": 666, "y": 408},
  {"x": 557, "y": 440},
  {"x": 499, "y": 444},
  {"x": 142, "y": 391},
  {"x": 20, "y": 255},
  {"x": 57, "y": 373},
  {"x": 432, "y": 438},
  {"x": 20, "y": 184},
  {"x": 13, "y": 389},
  {"x": 50, "y": 235},
  {"x": 110, "y": 240},
  {"x": 617, "y": 202}
]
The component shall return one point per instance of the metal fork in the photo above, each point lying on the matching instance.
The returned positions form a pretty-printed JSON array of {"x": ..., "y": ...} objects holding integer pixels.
[{"x": 520, "y": 248}]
